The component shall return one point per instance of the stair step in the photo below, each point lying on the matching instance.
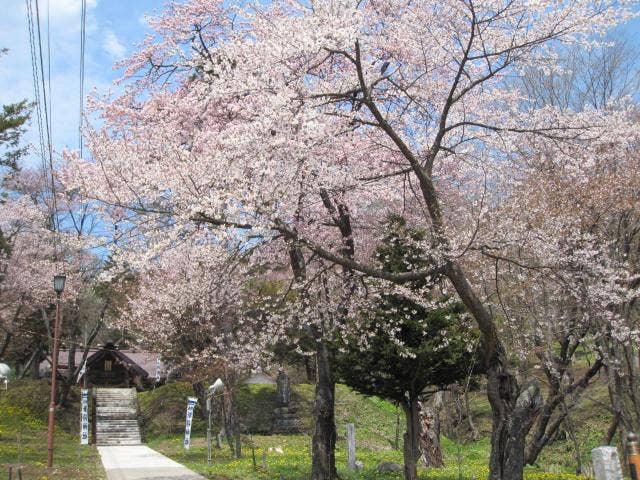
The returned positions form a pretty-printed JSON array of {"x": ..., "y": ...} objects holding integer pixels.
[
  {"x": 117, "y": 417},
  {"x": 118, "y": 438},
  {"x": 115, "y": 401},
  {"x": 118, "y": 409},
  {"x": 121, "y": 421},
  {"x": 117, "y": 423},
  {"x": 115, "y": 410},
  {"x": 116, "y": 428}
]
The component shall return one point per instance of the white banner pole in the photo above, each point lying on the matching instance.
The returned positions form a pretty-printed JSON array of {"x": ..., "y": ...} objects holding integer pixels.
[{"x": 191, "y": 404}]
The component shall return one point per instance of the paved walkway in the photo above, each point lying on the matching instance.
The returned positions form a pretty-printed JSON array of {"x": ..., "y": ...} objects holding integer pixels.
[{"x": 139, "y": 462}]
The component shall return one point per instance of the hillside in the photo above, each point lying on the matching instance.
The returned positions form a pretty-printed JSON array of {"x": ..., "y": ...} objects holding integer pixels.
[
  {"x": 375, "y": 421},
  {"x": 23, "y": 412},
  {"x": 23, "y": 436}
]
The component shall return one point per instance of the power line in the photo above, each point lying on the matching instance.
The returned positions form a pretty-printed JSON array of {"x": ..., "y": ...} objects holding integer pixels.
[
  {"x": 44, "y": 86},
  {"x": 36, "y": 83},
  {"x": 47, "y": 120},
  {"x": 49, "y": 68},
  {"x": 83, "y": 19}
]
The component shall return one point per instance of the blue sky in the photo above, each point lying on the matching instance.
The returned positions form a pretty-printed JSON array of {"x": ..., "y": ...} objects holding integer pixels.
[{"x": 113, "y": 27}]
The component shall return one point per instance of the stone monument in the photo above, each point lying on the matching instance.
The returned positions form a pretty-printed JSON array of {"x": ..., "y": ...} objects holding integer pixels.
[
  {"x": 5, "y": 370},
  {"x": 606, "y": 463},
  {"x": 283, "y": 389},
  {"x": 285, "y": 418}
]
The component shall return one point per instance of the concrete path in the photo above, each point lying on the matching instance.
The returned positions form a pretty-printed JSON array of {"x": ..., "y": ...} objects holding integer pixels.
[{"x": 139, "y": 462}]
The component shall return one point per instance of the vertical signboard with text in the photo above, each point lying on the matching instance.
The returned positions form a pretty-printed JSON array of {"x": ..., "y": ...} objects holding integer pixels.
[
  {"x": 84, "y": 418},
  {"x": 191, "y": 404}
]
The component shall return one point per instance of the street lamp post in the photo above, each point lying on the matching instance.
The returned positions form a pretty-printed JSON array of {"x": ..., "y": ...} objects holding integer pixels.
[
  {"x": 58, "y": 286},
  {"x": 213, "y": 389}
]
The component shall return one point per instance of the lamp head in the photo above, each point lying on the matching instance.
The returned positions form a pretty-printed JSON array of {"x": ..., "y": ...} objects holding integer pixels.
[
  {"x": 58, "y": 283},
  {"x": 216, "y": 387}
]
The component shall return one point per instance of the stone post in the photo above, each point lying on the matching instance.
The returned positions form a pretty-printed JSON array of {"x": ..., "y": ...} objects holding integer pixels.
[
  {"x": 606, "y": 463},
  {"x": 351, "y": 446}
]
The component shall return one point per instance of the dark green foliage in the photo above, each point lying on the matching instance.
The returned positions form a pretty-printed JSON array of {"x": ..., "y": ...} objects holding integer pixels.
[
  {"x": 409, "y": 347},
  {"x": 13, "y": 118},
  {"x": 256, "y": 405},
  {"x": 402, "y": 249},
  {"x": 430, "y": 351},
  {"x": 163, "y": 410}
]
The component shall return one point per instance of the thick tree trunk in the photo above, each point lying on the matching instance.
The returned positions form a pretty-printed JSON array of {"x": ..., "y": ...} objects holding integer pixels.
[
  {"x": 513, "y": 414},
  {"x": 5, "y": 344},
  {"x": 544, "y": 432},
  {"x": 323, "y": 442},
  {"x": 310, "y": 369},
  {"x": 231, "y": 424},
  {"x": 201, "y": 394},
  {"x": 474, "y": 430},
  {"x": 430, "y": 437},
  {"x": 611, "y": 431},
  {"x": 35, "y": 366},
  {"x": 411, "y": 449},
  {"x": 513, "y": 410},
  {"x": 32, "y": 358},
  {"x": 545, "y": 428},
  {"x": 444, "y": 404},
  {"x": 323, "y": 462}
]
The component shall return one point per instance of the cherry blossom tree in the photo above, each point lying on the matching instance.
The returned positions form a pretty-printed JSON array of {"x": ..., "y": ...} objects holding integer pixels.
[
  {"x": 32, "y": 255},
  {"x": 194, "y": 305},
  {"x": 603, "y": 202},
  {"x": 305, "y": 124},
  {"x": 33, "y": 252},
  {"x": 560, "y": 288}
]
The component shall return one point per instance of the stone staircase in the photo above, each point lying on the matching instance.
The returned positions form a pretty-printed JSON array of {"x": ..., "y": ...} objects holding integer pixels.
[
  {"x": 286, "y": 421},
  {"x": 117, "y": 417}
]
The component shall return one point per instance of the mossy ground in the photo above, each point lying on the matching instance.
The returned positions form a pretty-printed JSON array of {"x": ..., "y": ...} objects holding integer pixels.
[{"x": 23, "y": 436}]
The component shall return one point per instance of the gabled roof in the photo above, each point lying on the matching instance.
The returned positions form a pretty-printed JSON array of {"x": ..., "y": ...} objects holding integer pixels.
[
  {"x": 143, "y": 359},
  {"x": 98, "y": 356}
]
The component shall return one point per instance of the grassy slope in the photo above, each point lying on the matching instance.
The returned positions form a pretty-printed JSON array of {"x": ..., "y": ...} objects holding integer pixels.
[
  {"x": 23, "y": 410},
  {"x": 23, "y": 436},
  {"x": 591, "y": 419},
  {"x": 375, "y": 422}
]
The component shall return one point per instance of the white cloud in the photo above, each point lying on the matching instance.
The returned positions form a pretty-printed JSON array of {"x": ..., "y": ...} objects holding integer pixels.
[
  {"x": 16, "y": 80},
  {"x": 112, "y": 45},
  {"x": 69, "y": 8},
  {"x": 110, "y": 30}
]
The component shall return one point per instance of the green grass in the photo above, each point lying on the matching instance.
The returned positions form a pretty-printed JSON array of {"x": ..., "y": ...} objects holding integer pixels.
[
  {"x": 23, "y": 436},
  {"x": 591, "y": 419},
  {"x": 375, "y": 421},
  {"x": 295, "y": 463},
  {"x": 23, "y": 412}
]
